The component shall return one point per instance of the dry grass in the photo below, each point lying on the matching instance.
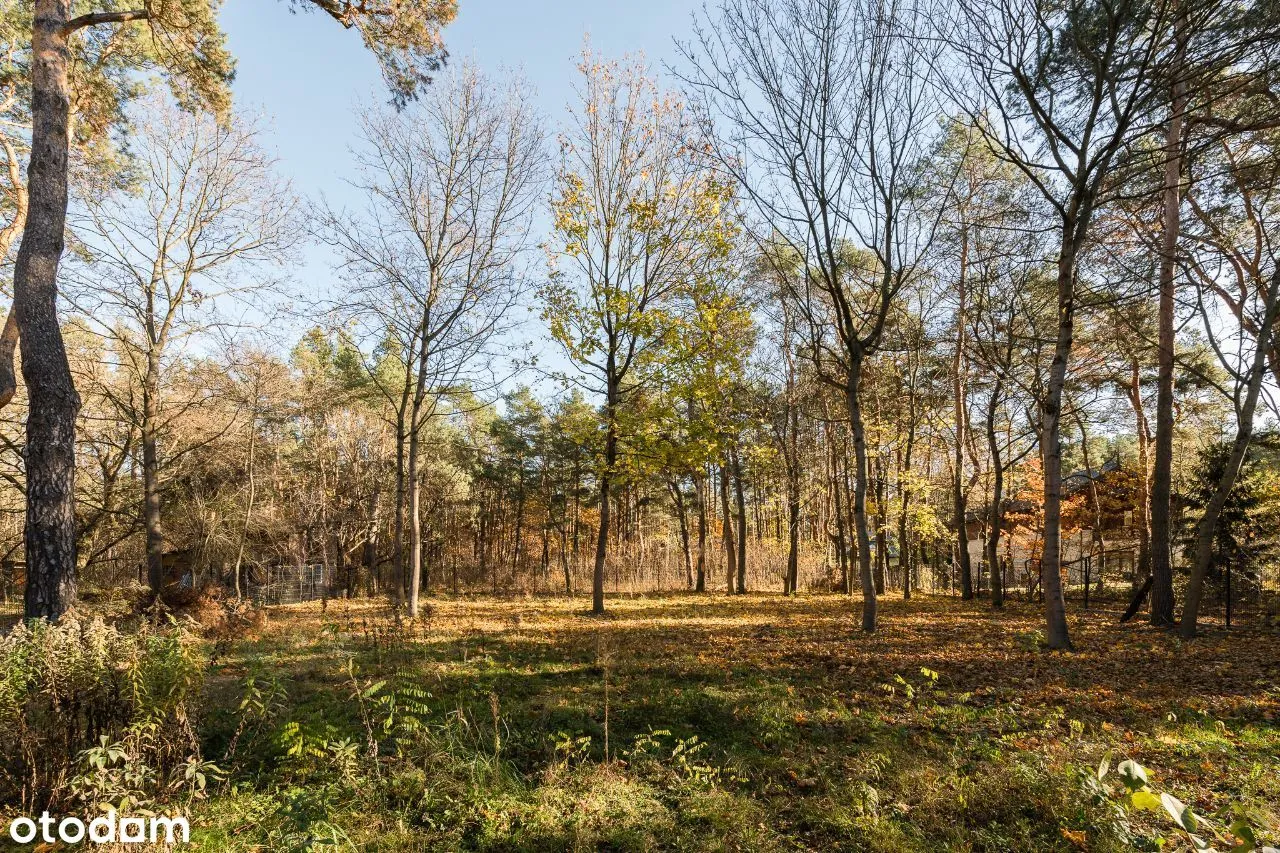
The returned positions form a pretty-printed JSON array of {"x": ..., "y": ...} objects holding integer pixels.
[{"x": 826, "y": 736}]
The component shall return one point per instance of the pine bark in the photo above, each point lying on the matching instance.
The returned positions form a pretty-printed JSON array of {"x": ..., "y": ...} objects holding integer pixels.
[
  {"x": 54, "y": 404},
  {"x": 1057, "y": 635},
  {"x": 1162, "y": 479}
]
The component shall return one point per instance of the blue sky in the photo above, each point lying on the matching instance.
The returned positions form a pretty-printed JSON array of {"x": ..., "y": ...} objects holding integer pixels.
[{"x": 306, "y": 74}]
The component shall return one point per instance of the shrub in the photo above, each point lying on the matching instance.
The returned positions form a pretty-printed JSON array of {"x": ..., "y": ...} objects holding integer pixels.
[{"x": 86, "y": 702}]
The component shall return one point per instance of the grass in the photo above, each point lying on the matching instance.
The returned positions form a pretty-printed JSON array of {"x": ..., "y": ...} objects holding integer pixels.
[{"x": 716, "y": 723}]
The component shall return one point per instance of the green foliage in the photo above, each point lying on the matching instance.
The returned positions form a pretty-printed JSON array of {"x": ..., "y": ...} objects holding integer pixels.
[
  {"x": 641, "y": 280},
  {"x": 1246, "y": 534},
  {"x": 405, "y": 38},
  {"x": 493, "y": 740},
  {"x": 120, "y": 705},
  {"x": 1232, "y": 825},
  {"x": 914, "y": 691}
]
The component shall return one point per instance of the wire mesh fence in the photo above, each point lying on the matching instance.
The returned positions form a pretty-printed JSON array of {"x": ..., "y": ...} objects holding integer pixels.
[
  {"x": 13, "y": 576},
  {"x": 292, "y": 584}
]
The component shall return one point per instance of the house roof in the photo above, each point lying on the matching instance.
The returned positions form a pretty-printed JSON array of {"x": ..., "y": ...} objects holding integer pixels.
[{"x": 1077, "y": 480}]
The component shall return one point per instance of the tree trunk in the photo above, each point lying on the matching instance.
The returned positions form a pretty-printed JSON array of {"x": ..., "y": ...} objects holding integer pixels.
[
  {"x": 995, "y": 513},
  {"x": 837, "y": 510},
  {"x": 906, "y": 551},
  {"x": 50, "y": 533},
  {"x": 370, "y": 559},
  {"x": 700, "y": 495},
  {"x": 517, "y": 547},
  {"x": 415, "y": 524},
  {"x": 564, "y": 563},
  {"x": 9, "y": 337},
  {"x": 860, "y": 497},
  {"x": 740, "y": 501},
  {"x": 960, "y": 410},
  {"x": 682, "y": 516},
  {"x": 726, "y": 532},
  {"x": 1162, "y": 484},
  {"x": 882, "y": 537},
  {"x": 151, "y": 477},
  {"x": 606, "y": 476},
  {"x": 1206, "y": 530},
  {"x": 8, "y": 347},
  {"x": 250, "y": 475},
  {"x": 415, "y": 484},
  {"x": 1142, "y": 508},
  {"x": 397, "y": 545},
  {"x": 1057, "y": 635},
  {"x": 793, "y": 538},
  {"x": 1098, "y": 542}
]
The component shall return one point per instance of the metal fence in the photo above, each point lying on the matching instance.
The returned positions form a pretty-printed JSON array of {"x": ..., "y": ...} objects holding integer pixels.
[
  {"x": 289, "y": 585},
  {"x": 13, "y": 576}
]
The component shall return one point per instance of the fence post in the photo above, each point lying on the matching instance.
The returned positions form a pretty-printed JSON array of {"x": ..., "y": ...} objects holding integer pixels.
[{"x": 1229, "y": 590}]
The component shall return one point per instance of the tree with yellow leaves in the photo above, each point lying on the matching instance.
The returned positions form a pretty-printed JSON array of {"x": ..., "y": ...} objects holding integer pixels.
[{"x": 638, "y": 217}]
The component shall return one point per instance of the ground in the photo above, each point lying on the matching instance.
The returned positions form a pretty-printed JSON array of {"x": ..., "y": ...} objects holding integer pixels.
[{"x": 743, "y": 723}]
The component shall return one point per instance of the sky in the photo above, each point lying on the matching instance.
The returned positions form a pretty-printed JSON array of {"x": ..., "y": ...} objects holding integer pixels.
[{"x": 306, "y": 76}]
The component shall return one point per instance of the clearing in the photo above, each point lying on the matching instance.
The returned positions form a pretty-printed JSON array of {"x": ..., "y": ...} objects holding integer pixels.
[{"x": 744, "y": 723}]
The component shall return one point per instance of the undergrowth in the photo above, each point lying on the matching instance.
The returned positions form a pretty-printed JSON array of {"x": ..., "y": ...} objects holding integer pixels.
[{"x": 686, "y": 725}]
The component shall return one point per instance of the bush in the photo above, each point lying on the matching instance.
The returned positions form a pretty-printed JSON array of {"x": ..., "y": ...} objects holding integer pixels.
[{"x": 89, "y": 710}]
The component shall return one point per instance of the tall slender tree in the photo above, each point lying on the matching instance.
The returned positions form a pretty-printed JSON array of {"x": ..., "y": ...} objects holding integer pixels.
[
  {"x": 638, "y": 217},
  {"x": 436, "y": 255},
  {"x": 826, "y": 113},
  {"x": 1067, "y": 131},
  {"x": 159, "y": 261}
]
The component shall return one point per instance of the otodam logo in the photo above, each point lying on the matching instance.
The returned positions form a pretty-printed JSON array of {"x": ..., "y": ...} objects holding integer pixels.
[{"x": 105, "y": 829}]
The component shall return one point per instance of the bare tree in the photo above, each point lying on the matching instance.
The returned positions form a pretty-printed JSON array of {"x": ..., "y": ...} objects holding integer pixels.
[
  {"x": 433, "y": 262},
  {"x": 182, "y": 39},
  {"x": 826, "y": 113},
  {"x": 185, "y": 33},
  {"x": 160, "y": 259},
  {"x": 257, "y": 378}
]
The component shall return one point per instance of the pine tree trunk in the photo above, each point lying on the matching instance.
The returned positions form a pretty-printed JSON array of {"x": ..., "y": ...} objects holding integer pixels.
[
  {"x": 1162, "y": 482},
  {"x": 9, "y": 337},
  {"x": 1057, "y": 635},
  {"x": 906, "y": 550},
  {"x": 50, "y": 533}
]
